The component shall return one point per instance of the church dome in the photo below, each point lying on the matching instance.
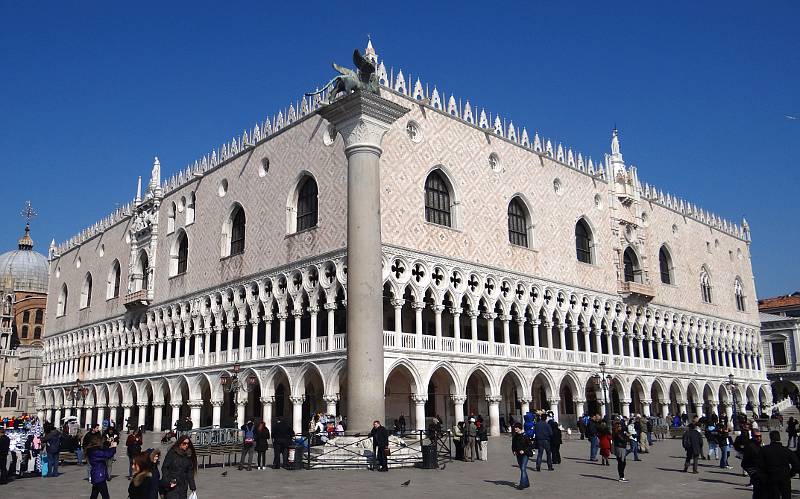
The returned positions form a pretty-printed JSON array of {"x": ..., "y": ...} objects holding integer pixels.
[{"x": 24, "y": 269}]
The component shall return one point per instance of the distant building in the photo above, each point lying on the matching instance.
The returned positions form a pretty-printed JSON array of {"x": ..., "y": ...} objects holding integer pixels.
[
  {"x": 23, "y": 289},
  {"x": 780, "y": 334}
]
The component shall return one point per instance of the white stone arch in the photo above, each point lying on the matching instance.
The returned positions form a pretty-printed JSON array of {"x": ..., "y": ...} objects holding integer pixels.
[
  {"x": 334, "y": 378},
  {"x": 574, "y": 383},
  {"x": 305, "y": 374},
  {"x": 411, "y": 371},
  {"x": 658, "y": 387},
  {"x": 273, "y": 374},
  {"x": 550, "y": 387},
  {"x": 101, "y": 394},
  {"x": 452, "y": 187},
  {"x": 456, "y": 384},
  {"x": 519, "y": 380}
]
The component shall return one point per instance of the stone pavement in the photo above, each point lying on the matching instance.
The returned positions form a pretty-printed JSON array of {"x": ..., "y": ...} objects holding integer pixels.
[{"x": 659, "y": 475}]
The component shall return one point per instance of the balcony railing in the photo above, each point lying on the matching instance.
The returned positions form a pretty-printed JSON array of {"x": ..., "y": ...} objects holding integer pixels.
[
  {"x": 136, "y": 299},
  {"x": 633, "y": 289}
]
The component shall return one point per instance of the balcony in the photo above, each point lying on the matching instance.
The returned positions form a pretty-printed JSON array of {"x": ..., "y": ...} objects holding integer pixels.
[
  {"x": 642, "y": 291},
  {"x": 137, "y": 299}
]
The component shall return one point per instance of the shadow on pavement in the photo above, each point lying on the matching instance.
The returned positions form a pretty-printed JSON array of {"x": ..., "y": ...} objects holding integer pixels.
[
  {"x": 502, "y": 482},
  {"x": 708, "y": 480},
  {"x": 601, "y": 477}
]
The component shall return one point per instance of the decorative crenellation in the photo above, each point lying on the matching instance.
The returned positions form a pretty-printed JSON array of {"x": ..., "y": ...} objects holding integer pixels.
[{"x": 460, "y": 109}]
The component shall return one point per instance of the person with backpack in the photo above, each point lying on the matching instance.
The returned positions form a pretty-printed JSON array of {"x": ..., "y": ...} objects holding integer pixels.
[
  {"x": 248, "y": 444},
  {"x": 98, "y": 456},
  {"x": 52, "y": 442}
]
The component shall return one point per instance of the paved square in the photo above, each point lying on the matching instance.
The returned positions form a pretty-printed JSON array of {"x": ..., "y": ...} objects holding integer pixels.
[{"x": 659, "y": 475}]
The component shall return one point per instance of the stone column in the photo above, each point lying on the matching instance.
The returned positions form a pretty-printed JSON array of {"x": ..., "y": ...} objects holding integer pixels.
[
  {"x": 176, "y": 413},
  {"x": 330, "y": 404},
  {"x": 458, "y": 407},
  {"x": 419, "y": 411},
  {"x": 126, "y": 413},
  {"x": 282, "y": 334},
  {"x": 646, "y": 407},
  {"x": 297, "y": 413},
  {"x": 418, "y": 306},
  {"x": 664, "y": 409},
  {"x": 535, "y": 330},
  {"x": 362, "y": 119},
  {"x": 298, "y": 319},
  {"x": 240, "y": 406},
  {"x": 217, "y": 341},
  {"x": 331, "y": 308},
  {"x": 521, "y": 332},
  {"x": 506, "y": 333},
  {"x": 490, "y": 317},
  {"x": 626, "y": 407},
  {"x": 397, "y": 304},
  {"x": 698, "y": 409},
  {"x": 158, "y": 413},
  {"x": 456, "y": 312},
  {"x": 630, "y": 345},
  {"x": 562, "y": 336},
  {"x": 312, "y": 311},
  {"x": 216, "y": 412},
  {"x": 199, "y": 351},
  {"x": 79, "y": 415},
  {"x": 681, "y": 407},
  {"x": 437, "y": 314},
  {"x": 586, "y": 345},
  {"x": 473, "y": 324},
  {"x": 598, "y": 349},
  {"x": 579, "y": 407},
  {"x": 574, "y": 330},
  {"x": 554, "y": 408},
  {"x": 266, "y": 411},
  {"x": 494, "y": 415},
  {"x": 112, "y": 414},
  {"x": 195, "y": 406}
]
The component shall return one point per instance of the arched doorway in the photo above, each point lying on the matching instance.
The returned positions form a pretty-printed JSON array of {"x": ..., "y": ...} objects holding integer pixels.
[
  {"x": 478, "y": 388},
  {"x": 400, "y": 387},
  {"x": 441, "y": 388}
]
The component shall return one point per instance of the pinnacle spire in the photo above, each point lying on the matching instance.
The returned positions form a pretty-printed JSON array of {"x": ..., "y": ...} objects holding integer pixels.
[{"x": 369, "y": 52}]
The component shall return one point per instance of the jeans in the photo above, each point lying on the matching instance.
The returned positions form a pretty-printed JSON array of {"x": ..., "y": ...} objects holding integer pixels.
[
  {"x": 649, "y": 438},
  {"x": 100, "y": 488},
  {"x": 522, "y": 461},
  {"x": 594, "y": 448},
  {"x": 79, "y": 455},
  {"x": 635, "y": 449},
  {"x": 281, "y": 452},
  {"x": 52, "y": 464},
  {"x": 247, "y": 452},
  {"x": 723, "y": 460},
  {"x": 543, "y": 446},
  {"x": 713, "y": 450}
]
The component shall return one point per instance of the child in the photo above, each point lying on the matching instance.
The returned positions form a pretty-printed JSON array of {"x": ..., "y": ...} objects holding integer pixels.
[{"x": 605, "y": 446}]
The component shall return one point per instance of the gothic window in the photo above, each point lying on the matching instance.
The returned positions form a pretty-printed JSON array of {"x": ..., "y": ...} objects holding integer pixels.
[
  {"x": 437, "y": 200},
  {"x": 631, "y": 269},
  {"x": 143, "y": 269},
  {"x": 237, "y": 231},
  {"x": 665, "y": 265},
  {"x": 171, "y": 219},
  {"x": 705, "y": 286},
  {"x": 26, "y": 316},
  {"x": 179, "y": 254},
  {"x": 583, "y": 241},
  {"x": 86, "y": 291},
  {"x": 112, "y": 285},
  {"x": 25, "y": 331},
  {"x": 190, "y": 209},
  {"x": 37, "y": 333},
  {"x": 517, "y": 223},
  {"x": 39, "y": 316},
  {"x": 738, "y": 292},
  {"x": 61, "y": 306},
  {"x": 10, "y": 398},
  {"x": 307, "y": 204}
]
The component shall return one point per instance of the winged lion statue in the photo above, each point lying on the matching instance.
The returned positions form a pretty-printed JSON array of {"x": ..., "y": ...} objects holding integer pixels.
[{"x": 347, "y": 81}]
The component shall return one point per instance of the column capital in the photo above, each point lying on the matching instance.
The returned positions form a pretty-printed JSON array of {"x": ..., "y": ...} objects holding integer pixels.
[
  {"x": 267, "y": 400},
  {"x": 419, "y": 399},
  {"x": 397, "y": 302},
  {"x": 554, "y": 400},
  {"x": 217, "y": 403},
  {"x": 494, "y": 399},
  {"x": 362, "y": 119},
  {"x": 282, "y": 316},
  {"x": 524, "y": 401},
  {"x": 456, "y": 310},
  {"x": 313, "y": 310},
  {"x": 418, "y": 305},
  {"x": 297, "y": 400},
  {"x": 458, "y": 399},
  {"x": 505, "y": 318},
  {"x": 489, "y": 316},
  {"x": 195, "y": 403},
  {"x": 158, "y": 404},
  {"x": 438, "y": 309},
  {"x": 330, "y": 306},
  {"x": 330, "y": 399}
]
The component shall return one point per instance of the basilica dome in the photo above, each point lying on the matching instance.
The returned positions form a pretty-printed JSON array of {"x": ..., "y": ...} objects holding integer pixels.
[{"x": 24, "y": 269}]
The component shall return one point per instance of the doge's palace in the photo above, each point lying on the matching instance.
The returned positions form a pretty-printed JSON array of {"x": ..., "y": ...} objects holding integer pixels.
[{"x": 407, "y": 253}]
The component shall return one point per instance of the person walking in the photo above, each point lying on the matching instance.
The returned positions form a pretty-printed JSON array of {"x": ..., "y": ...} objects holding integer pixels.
[
  {"x": 155, "y": 483},
  {"x": 791, "y": 431},
  {"x": 134, "y": 447},
  {"x": 141, "y": 486},
  {"x": 98, "y": 453},
  {"x": 380, "y": 442},
  {"x": 248, "y": 444},
  {"x": 633, "y": 441},
  {"x": 282, "y": 435},
  {"x": 543, "y": 437},
  {"x": 777, "y": 464},
  {"x": 520, "y": 447},
  {"x": 111, "y": 436},
  {"x": 52, "y": 442},
  {"x": 723, "y": 441},
  {"x": 605, "y": 445},
  {"x": 470, "y": 432},
  {"x": 593, "y": 436},
  {"x": 180, "y": 468},
  {"x": 750, "y": 459},
  {"x": 262, "y": 445},
  {"x": 692, "y": 443},
  {"x": 555, "y": 438},
  {"x": 5, "y": 446},
  {"x": 620, "y": 438}
]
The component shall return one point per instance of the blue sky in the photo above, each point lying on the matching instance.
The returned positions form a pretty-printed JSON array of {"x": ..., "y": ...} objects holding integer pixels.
[{"x": 90, "y": 91}]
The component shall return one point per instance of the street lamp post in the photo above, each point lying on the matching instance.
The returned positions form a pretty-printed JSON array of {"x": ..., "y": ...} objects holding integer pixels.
[
  {"x": 77, "y": 393},
  {"x": 735, "y": 416},
  {"x": 232, "y": 383},
  {"x": 603, "y": 380}
]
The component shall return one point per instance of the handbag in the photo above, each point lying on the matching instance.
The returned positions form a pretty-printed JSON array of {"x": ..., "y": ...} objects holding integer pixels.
[
  {"x": 193, "y": 495},
  {"x": 386, "y": 451}
]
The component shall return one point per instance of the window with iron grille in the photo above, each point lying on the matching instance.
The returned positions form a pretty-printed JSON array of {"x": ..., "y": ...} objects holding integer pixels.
[
  {"x": 307, "y": 205},
  {"x": 437, "y": 200},
  {"x": 583, "y": 242},
  {"x": 517, "y": 223},
  {"x": 238, "y": 232},
  {"x": 664, "y": 262}
]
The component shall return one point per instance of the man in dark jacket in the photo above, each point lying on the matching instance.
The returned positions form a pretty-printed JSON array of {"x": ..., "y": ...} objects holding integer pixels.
[
  {"x": 692, "y": 444},
  {"x": 750, "y": 453},
  {"x": 776, "y": 464},
  {"x": 380, "y": 441},
  {"x": 52, "y": 442},
  {"x": 555, "y": 439},
  {"x": 5, "y": 444},
  {"x": 593, "y": 436},
  {"x": 544, "y": 434},
  {"x": 282, "y": 435}
]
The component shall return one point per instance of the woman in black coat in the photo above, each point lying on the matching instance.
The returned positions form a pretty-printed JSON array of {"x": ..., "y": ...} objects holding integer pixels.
[
  {"x": 180, "y": 466},
  {"x": 141, "y": 486},
  {"x": 262, "y": 444}
]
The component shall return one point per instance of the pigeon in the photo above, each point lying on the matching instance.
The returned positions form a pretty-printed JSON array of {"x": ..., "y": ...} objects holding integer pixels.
[
  {"x": 443, "y": 466},
  {"x": 224, "y": 473},
  {"x": 405, "y": 484}
]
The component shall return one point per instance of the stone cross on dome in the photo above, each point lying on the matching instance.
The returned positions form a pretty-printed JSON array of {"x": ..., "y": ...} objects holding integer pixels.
[{"x": 28, "y": 213}]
